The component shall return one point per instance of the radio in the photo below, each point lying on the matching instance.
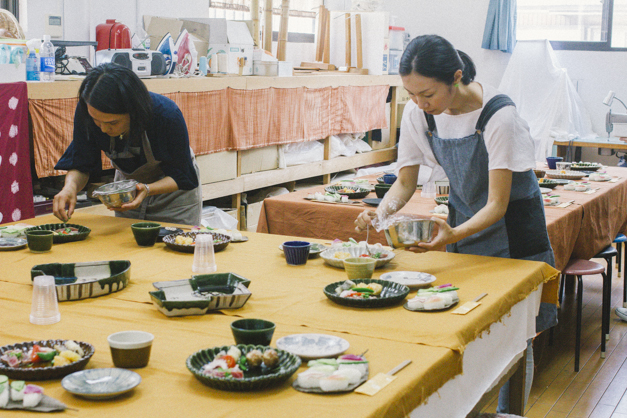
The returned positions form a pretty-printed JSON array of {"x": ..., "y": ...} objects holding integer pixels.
[{"x": 144, "y": 63}]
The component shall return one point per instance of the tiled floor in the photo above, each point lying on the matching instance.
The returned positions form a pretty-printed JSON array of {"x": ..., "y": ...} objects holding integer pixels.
[{"x": 599, "y": 390}]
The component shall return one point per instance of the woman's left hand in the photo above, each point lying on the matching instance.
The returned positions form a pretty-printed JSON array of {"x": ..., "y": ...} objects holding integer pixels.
[
  {"x": 445, "y": 235},
  {"x": 142, "y": 193}
]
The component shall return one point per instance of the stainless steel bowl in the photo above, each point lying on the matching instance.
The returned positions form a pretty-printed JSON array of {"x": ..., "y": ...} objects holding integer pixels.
[
  {"x": 408, "y": 233},
  {"x": 114, "y": 195}
]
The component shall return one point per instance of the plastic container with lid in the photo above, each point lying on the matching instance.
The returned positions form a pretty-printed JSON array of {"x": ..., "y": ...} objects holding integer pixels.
[{"x": 397, "y": 35}]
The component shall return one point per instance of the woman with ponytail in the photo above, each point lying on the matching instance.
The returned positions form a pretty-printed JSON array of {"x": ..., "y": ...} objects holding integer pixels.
[{"x": 476, "y": 135}]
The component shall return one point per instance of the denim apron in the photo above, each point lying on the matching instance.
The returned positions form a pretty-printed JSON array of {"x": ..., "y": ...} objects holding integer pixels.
[
  {"x": 180, "y": 206},
  {"x": 521, "y": 233}
]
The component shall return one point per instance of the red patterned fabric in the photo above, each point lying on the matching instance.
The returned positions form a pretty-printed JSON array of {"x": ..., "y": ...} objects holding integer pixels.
[{"x": 16, "y": 188}]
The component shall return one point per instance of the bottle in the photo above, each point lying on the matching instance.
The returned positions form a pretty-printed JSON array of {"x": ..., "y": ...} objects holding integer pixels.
[
  {"x": 47, "y": 67},
  {"x": 32, "y": 67}
]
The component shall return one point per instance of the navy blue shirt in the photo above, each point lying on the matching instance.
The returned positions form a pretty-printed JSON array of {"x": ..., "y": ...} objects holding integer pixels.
[{"x": 167, "y": 134}]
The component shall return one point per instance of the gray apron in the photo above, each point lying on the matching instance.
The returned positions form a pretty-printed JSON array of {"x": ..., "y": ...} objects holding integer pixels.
[
  {"x": 521, "y": 233},
  {"x": 180, "y": 206}
]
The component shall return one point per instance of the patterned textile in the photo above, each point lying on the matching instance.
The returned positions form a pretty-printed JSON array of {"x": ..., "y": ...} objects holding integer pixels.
[
  {"x": 232, "y": 119},
  {"x": 16, "y": 186}
]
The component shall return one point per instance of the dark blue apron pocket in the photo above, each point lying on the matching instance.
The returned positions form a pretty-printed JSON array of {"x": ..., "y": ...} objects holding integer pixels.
[{"x": 526, "y": 228}]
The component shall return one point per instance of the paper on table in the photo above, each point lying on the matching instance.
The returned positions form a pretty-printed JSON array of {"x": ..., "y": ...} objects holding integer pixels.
[
  {"x": 469, "y": 306},
  {"x": 374, "y": 385}
]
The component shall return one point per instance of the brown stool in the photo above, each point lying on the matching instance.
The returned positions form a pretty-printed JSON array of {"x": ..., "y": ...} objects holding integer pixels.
[{"x": 579, "y": 268}]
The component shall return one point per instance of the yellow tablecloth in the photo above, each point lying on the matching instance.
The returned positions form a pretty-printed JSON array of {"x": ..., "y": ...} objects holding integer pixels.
[{"x": 290, "y": 296}]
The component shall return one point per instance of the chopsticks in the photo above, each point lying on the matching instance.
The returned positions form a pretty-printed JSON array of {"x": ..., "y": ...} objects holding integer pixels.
[
  {"x": 398, "y": 368},
  {"x": 481, "y": 296}
]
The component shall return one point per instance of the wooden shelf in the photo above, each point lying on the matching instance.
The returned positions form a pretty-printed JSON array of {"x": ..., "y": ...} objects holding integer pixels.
[{"x": 248, "y": 182}]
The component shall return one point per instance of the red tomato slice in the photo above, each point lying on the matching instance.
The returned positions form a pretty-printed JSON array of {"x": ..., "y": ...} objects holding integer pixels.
[{"x": 230, "y": 361}]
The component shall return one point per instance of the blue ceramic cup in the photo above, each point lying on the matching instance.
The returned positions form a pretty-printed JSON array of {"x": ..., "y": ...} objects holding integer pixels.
[
  {"x": 296, "y": 252},
  {"x": 552, "y": 160},
  {"x": 389, "y": 178}
]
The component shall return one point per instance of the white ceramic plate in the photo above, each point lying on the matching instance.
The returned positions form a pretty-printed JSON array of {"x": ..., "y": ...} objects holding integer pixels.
[
  {"x": 313, "y": 346},
  {"x": 544, "y": 190},
  {"x": 7, "y": 244},
  {"x": 101, "y": 383},
  {"x": 412, "y": 279}
]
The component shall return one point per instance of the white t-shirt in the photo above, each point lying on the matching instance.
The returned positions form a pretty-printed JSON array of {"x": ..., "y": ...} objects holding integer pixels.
[{"x": 506, "y": 136}]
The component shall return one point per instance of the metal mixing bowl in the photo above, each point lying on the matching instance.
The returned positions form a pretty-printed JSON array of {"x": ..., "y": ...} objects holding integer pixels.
[
  {"x": 114, "y": 195},
  {"x": 408, "y": 233}
]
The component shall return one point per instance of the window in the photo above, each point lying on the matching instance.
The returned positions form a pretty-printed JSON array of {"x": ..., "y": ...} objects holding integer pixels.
[
  {"x": 595, "y": 25},
  {"x": 302, "y": 16},
  {"x": 12, "y": 6}
]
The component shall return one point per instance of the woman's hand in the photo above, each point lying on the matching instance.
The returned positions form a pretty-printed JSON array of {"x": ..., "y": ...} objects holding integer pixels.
[
  {"x": 142, "y": 193},
  {"x": 66, "y": 198},
  {"x": 446, "y": 235},
  {"x": 365, "y": 218}
]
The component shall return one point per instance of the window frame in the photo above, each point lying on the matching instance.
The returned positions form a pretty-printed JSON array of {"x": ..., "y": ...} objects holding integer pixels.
[{"x": 606, "y": 21}]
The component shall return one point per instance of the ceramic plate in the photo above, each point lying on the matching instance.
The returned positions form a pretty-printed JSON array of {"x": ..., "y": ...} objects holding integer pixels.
[
  {"x": 258, "y": 379},
  {"x": 545, "y": 190},
  {"x": 392, "y": 294},
  {"x": 167, "y": 230},
  {"x": 80, "y": 232},
  {"x": 357, "y": 192},
  {"x": 242, "y": 239},
  {"x": 101, "y": 383},
  {"x": 565, "y": 175},
  {"x": 44, "y": 373},
  {"x": 430, "y": 310},
  {"x": 220, "y": 241},
  {"x": 8, "y": 244},
  {"x": 411, "y": 279},
  {"x": 561, "y": 181},
  {"x": 350, "y": 388},
  {"x": 372, "y": 201},
  {"x": 441, "y": 200},
  {"x": 315, "y": 250},
  {"x": 329, "y": 255},
  {"x": 313, "y": 346}
]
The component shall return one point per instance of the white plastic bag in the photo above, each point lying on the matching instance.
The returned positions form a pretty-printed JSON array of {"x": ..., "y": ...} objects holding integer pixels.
[
  {"x": 303, "y": 152},
  {"x": 218, "y": 219}
]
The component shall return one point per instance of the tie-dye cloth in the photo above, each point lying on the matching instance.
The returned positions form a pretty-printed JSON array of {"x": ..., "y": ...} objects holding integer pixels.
[{"x": 16, "y": 188}]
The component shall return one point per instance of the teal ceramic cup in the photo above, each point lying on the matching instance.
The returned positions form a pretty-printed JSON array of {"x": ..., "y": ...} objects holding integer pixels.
[
  {"x": 39, "y": 241},
  {"x": 146, "y": 233},
  {"x": 252, "y": 331}
]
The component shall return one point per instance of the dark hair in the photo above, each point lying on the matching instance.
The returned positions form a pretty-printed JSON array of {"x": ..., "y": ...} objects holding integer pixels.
[
  {"x": 114, "y": 89},
  {"x": 434, "y": 57}
]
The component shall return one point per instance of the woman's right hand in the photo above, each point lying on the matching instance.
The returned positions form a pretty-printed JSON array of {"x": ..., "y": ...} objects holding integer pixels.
[
  {"x": 365, "y": 218},
  {"x": 64, "y": 199}
]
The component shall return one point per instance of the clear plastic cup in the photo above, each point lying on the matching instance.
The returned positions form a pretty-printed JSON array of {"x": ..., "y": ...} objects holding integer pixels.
[
  {"x": 204, "y": 257},
  {"x": 45, "y": 308}
]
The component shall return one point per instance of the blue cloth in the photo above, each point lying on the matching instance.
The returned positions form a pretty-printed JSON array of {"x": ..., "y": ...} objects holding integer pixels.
[
  {"x": 500, "y": 26},
  {"x": 168, "y": 138}
]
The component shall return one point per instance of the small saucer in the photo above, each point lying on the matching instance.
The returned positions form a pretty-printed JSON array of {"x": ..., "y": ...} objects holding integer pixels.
[{"x": 101, "y": 383}]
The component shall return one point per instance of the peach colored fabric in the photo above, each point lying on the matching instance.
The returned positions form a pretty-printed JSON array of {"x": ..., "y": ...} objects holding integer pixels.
[{"x": 232, "y": 119}]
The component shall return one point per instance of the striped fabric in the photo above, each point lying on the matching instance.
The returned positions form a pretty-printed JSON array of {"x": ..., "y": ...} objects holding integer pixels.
[{"x": 232, "y": 119}]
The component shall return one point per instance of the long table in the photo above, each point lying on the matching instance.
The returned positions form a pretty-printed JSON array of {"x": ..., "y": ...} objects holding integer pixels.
[
  {"x": 581, "y": 230},
  {"x": 291, "y": 297}
]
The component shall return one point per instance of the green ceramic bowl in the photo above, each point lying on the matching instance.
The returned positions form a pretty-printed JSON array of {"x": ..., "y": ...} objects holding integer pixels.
[
  {"x": 258, "y": 379},
  {"x": 39, "y": 241},
  {"x": 381, "y": 189},
  {"x": 146, "y": 233},
  {"x": 253, "y": 331},
  {"x": 357, "y": 192},
  {"x": 441, "y": 200}
]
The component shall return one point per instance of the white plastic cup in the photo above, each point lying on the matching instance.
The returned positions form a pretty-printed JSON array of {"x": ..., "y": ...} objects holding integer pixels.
[
  {"x": 204, "y": 257},
  {"x": 45, "y": 308}
]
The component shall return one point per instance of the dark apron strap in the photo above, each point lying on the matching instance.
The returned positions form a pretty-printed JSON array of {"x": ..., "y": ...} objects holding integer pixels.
[{"x": 494, "y": 105}]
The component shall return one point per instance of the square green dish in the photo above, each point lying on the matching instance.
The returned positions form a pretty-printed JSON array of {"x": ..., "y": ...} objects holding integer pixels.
[{"x": 200, "y": 294}]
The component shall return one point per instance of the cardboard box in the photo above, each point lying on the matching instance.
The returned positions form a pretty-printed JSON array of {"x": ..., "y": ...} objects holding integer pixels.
[
  {"x": 157, "y": 27},
  {"x": 218, "y": 166},
  {"x": 260, "y": 159},
  {"x": 266, "y": 68},
  {"x": 233, "y": 39}
]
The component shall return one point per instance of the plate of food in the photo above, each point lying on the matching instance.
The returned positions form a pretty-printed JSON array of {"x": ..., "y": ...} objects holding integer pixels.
[
  {"x": 335, "y": 198},
  {"x": 90, "y": 279},
  {"x": 343, "y": 374},
  {"x": 548, "y": 183},
  {"x": 315, "y": 250},
  {"x": 585, "y": 166},
  {"x": 549, "y": 200},
  {"x": 242, "y": 367},
  {"x": 564, "y": 175},
  {"x": 167, "y": 230},
  {"x": 434, "y": 299},
  {"x": 185, "y": 242},
  {"x": 235, "y": 236},
  {"x": 545, "y": 190},
  {"x": 44, "y": 360},
  {"x": 64, "y": 232},
  {"x": 441, "y": 200},
  {"x": 412, "y": 279},
  {"x": 101, "y": 383},
  {"x": 10, "y": 244},
  {"x": 599, "y": 177},
  {"x": 336, "y": 255},
  {"x": 313, "y": 346},
  {"x": 353, "y": 192},
  {"x": 366, "y": 293}
]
